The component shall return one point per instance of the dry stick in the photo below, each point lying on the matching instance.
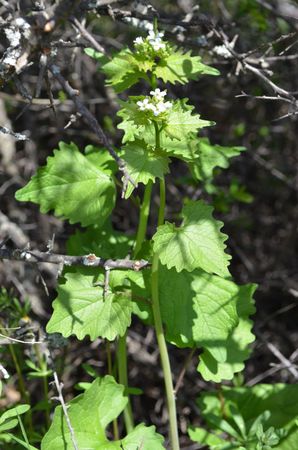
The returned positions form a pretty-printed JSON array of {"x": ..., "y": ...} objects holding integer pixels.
[
  {"x": 246, "y": 65},
  {"x": 184, "y": 368},
  {"x": 90, "y": 260},
  {"x": 123, "y": 15},
  {"x": 91, "y": 122},
  {"x": 64, "y": 407},
  {"x": 287, "y": 363},
  {"x": 85, "y": 33}
]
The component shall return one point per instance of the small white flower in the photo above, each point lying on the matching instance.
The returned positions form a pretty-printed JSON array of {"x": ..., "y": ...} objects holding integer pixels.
[
  {"x": 156, "y": 103},
  {"x": 158, "y": 45},
  {"x": 143, "y": 104},
  {"x": 168, "y": 105},
  {"x": 138, "y": 41},
  {"x": 155, "y": 40},
  {"x": 151, "y": 35},
  {"x": 149, "y": 26},
  {"x": 158, "y": 93}
]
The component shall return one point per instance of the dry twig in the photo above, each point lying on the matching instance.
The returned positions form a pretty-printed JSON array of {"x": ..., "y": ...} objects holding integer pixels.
[{"x": 91, "y": 260}]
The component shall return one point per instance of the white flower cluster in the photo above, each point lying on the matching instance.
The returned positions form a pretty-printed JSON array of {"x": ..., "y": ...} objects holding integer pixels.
[
  {"x": 154, "y": 39},
  {"x": 222, "y": 50},
  {"x": 156, "y": 103}
]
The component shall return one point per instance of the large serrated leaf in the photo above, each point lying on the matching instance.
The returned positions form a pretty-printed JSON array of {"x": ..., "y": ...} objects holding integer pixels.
[
  {"x": 198, "y": 309},
  {"x": 237, "y": 343},
  {"x": 90, "y": 414},
  {"x": 80, "y": 309},
  {"x": 197, "y": 243},
  {"x": 181, "y": 67},
  {"x": 143, "y": 164},
  {"x": 180, "y": 120},
  {"x": 72, "y": 186}
]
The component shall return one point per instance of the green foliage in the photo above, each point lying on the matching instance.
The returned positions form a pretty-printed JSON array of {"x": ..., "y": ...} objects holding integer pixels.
[
  {"x": 237, "y": 344},
  {"x": 90, "y": 413},
  {"x": 9, "y": 419},
  {"x": 71, "y": 186},
  {"x": 143, "y": 164},
  {"x": 252, "y": 418},
  {"x": 176, "y": 123},
  {"x": 197, "y": 243},
  {"x": 82, "y": 309},
  {"x": 12, "y": 309},
  {"x": 181, "y": 67},
  {"x": 201, "y": 310},
  {"x": 211, "y": 156},
  {"x": 172, "y": 65}
]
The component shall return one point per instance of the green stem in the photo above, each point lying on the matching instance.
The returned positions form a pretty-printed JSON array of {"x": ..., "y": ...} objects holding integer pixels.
[
  {"x": 121, "y": 351},
  {"x": 43, "y": 366},
  {"x": 23, "y": 390},
  {"x": 122, "y": 370},
  {"x": 144, "y": 214},
  {"x": 164, "y": 356},
  {"x": 24, "y": 393},
  {"x": 110, "y": 371}
]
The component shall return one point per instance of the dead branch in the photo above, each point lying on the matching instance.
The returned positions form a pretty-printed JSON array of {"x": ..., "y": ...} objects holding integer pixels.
[{"x": 91, "y": 260}]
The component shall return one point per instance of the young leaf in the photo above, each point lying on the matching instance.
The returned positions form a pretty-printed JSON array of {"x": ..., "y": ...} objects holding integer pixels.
[
  {"x": 143, "y": 164},
  {"x": 210, "y": 156},
  {"x": 237, "y": 343},
  {"x": 134, "y": 122},
  {"x": 198, "y": 309},
  {"x": 203, "y": 437},
  {"x": 122, "y": 71},
  {"x": 9, "y": 419},
  {"x": 72, "y": 186},
  {"x": 96, "y": 55},
  {"x": 182, "y": 67},
  {"x": 180, "y": 120},
  {"x": 80, "y": 309},
  {"x": 90, "y": 413},
  {"x": 197, "y": 243},
  {"x": 14, "y": 412},
  {"x": 252, "y": 402},
  {"x": 176, "y": 124}
]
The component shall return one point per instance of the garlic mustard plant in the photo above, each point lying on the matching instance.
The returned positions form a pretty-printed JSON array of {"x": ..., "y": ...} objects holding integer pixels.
[{"x": 188, "y": 295}]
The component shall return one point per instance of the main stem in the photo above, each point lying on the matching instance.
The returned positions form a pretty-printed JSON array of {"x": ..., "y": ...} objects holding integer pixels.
[
  {"x": 121, "y": 350},
  {"x": 123, "y": 379},
  {"x": 144, "y": 214},
  {"x": 164, "y": 356}
]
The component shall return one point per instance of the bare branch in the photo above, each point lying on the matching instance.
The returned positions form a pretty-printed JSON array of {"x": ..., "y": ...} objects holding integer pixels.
[
  {"x": 17, "y": 136},
  {"x": 59, "y": 387},
  {"x": 90, "y": 260},
  {"x": 85, "y": 33}
]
